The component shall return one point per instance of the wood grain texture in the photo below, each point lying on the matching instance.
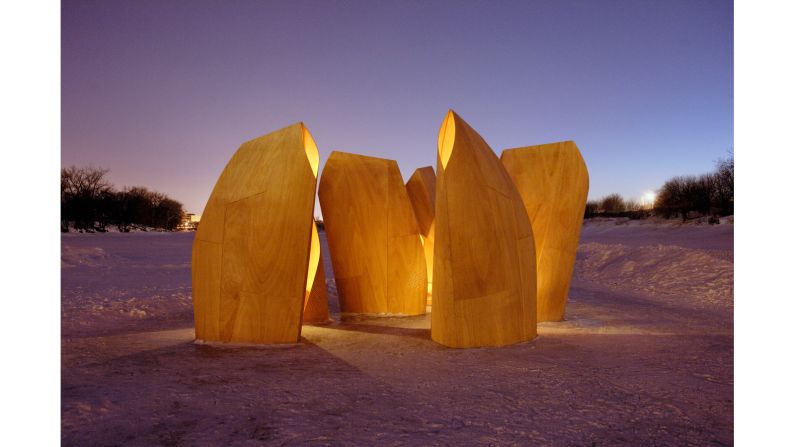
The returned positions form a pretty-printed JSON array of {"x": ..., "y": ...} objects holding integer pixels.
[
  {"x": 316, "y": 298},
  {"x": 251, "y": 251},
  {"x": 421, "y": 189},
  {"x": 553, "y": 182},
  {"x": 484, "y": 262},
  {"x": 373, "y": 237}
]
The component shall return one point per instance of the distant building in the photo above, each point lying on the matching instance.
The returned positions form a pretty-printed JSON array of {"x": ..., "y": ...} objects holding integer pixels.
[{"x": 189, "y": 222}]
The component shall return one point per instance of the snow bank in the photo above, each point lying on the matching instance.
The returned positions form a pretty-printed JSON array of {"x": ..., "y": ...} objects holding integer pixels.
[
  {"x": 82, "y": 256},
  {"x": 703, "y": 277}
]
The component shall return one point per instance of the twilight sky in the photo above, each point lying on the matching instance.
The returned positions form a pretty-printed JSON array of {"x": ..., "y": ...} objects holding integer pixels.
[{"x": 163, "y": 92}]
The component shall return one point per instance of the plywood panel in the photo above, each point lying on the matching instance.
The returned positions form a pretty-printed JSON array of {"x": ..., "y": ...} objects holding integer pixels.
[
  {"x": 484, "y": 266},
  {"x": 553, "y": 182},
  {"x": 316, "y": 299},
  {"x": 421, "y": 189},
  {"x": 252, "y": 248},
  {"x": 373, "y": 237}
]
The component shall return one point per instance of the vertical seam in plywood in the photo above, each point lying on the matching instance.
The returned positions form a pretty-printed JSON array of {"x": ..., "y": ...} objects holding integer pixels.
[
  {"x": 221, "y": 273},
  {"x": 307, "y": 257},
  {"x": 449, "y": 261},
  {"x": 388, "y": 238},
  {"x": 517, "y": 255},
  {"x": 517, "y": 251}
]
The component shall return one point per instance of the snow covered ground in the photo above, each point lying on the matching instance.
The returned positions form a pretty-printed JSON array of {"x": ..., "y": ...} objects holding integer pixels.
[{"x": 645, "y": 357}]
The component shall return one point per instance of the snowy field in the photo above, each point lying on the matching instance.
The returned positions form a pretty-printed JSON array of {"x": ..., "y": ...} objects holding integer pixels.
[{"x": 645, "y": 357}]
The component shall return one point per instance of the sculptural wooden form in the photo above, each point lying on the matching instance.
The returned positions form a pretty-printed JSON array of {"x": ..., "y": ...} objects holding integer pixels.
[
  {"x": 251, "y": 251},
  {"x": 316, "y": 299},
  {"x": 484, "y": 289},
  {"x": 373, "y": 238},
  {"x": 553, "y": 182},
  {"x": 421, "y": 188}
]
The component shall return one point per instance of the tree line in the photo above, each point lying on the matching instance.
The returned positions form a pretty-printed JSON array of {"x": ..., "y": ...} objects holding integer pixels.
[
  {"x": 89, "y": 202},
  {"x": 685, "y": 197},
  {"x": 614, "y": 205},
  {"x": 706, "y": 195}
]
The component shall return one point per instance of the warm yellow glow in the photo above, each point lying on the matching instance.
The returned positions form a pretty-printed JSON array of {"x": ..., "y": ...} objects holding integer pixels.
[
  {"x": 314, "y": 259},
  {"x": 312, "y": 153},
  {"x": 647, "y": 199},
  {"x": 446, "y": 138}
]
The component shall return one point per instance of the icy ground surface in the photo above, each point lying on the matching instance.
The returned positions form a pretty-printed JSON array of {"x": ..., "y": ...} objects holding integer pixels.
[{"x": 644, "y": 358}]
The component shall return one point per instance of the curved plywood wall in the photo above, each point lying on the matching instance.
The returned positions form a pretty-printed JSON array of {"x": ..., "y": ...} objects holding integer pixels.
[
  {"x": 252, "y": 248},
  {"x": 553, "y": 182},
  {"x": 373, "y": 237},
  {"x": 484, "y": 262},
  {"x": 421, "y": 189},
  {"x": 316, "y": 298}
]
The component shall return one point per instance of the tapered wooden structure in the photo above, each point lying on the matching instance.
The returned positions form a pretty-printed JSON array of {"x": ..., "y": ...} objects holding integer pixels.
[
  {"x": 553, "y": 182},
  {"x": 421, "y": 188},
  {"x": 484, "y": 289},
  {"x": 373, "y": 237},
  {"x": 251, "y": 251},
  {"x": 316, "y": 298}
]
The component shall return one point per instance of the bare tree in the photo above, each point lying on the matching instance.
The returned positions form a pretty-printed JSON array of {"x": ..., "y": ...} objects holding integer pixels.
[
  {"x": 82, "y": 190},
  {"x": 723, "y": 186},
  {"x": 633, "y": 206},
  {"x": 612, "y": 203},
  {"x": 89, "y": 202},
  {"x": 591, "y": 208},
  {"x": 686, "y": 194}
]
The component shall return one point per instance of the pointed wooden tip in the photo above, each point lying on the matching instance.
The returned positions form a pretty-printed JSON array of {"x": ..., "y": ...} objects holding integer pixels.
[{"x": 446, "y": 138}]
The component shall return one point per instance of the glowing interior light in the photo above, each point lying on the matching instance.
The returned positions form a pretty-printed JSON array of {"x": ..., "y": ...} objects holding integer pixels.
[
  {"x": 446, "y": 138},
  {"x": 311, "y": 151},
  {"x": 314, "y": 260}
]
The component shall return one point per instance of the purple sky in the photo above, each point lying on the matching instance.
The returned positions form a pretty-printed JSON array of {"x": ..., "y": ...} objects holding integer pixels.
[{"x": 163, "y": 92}]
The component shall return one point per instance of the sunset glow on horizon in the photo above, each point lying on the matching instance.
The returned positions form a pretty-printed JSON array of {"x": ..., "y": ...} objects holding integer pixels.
[{"x": 163, "y": 93}]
